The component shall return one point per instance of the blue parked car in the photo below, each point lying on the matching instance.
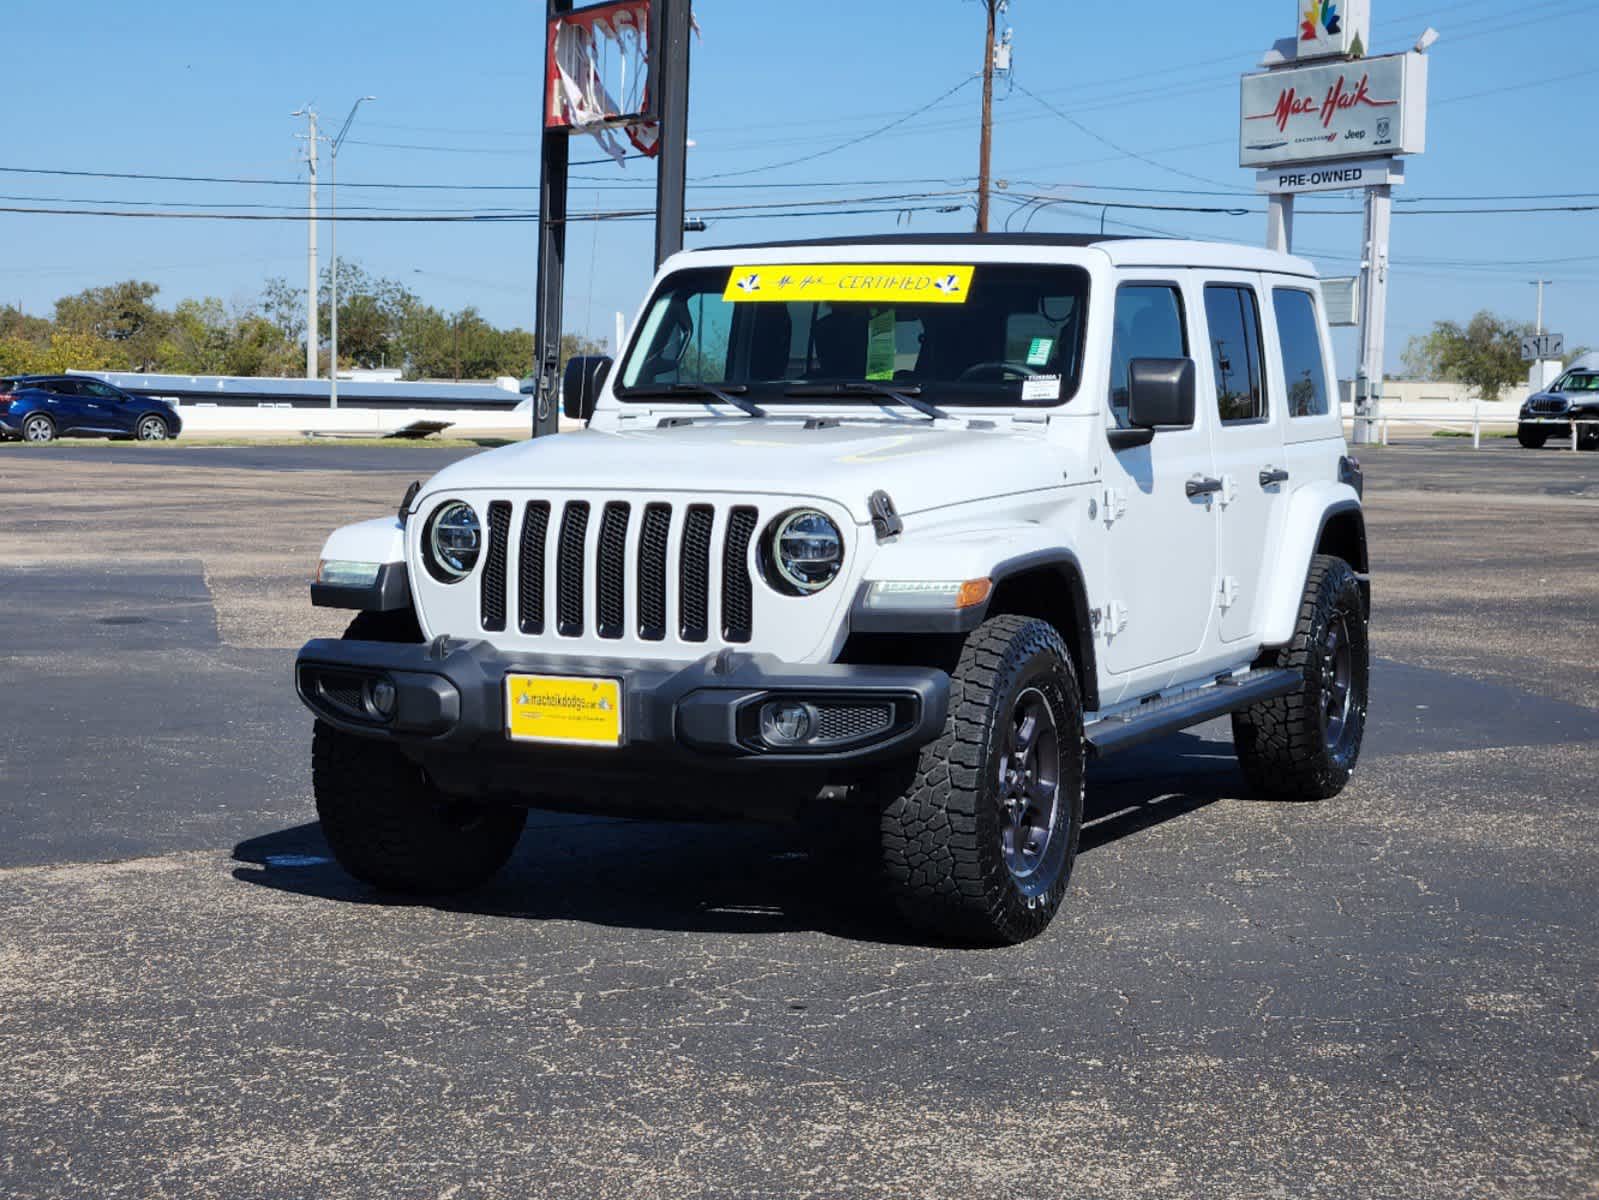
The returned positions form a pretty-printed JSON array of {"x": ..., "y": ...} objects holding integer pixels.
[{"x": 41, "y": 408}]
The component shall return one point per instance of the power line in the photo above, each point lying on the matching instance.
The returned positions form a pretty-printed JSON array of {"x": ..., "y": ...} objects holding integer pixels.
[{"x": 854, "y": 141}]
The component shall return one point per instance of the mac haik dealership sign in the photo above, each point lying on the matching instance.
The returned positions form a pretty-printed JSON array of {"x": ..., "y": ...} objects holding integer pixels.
[{"x": 1359, "y": 109}]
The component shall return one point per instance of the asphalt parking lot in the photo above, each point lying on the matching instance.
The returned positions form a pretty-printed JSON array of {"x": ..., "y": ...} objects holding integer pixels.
[{"x": 1391, "y": 994}]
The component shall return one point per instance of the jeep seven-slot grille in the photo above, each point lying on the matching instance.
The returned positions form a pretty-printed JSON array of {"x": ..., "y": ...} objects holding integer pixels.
[
  {"x": 612, "y": 572},
  {"x": 738, "y": 596},
  {"x": 602, "y": 583},
  {"x": 569, "y": 570},
  {"x": 494, "y": 567},
  {"x": 696, "y": 593},
  {"x": 653, "y": 540},
  {"x": 530, "y": 568}
]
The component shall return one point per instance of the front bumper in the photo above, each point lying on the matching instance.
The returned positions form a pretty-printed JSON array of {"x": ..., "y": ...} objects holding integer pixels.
[{"x": 449, "y": 701}]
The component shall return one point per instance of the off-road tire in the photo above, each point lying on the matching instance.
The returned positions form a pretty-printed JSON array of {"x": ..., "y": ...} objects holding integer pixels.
[
  {"x": 1284, "y": 745},
  {"x": 1531, "y": 439},
  {"x": 944, "y": 832},
  {"x": 391, "y": 828},
  {"x": 38, "y": 429}
]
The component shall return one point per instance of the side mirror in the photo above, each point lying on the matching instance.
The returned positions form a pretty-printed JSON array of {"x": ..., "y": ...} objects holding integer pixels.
[
  {"x": 1160, "y": 393},
  {"x": 580, "y": 386}
]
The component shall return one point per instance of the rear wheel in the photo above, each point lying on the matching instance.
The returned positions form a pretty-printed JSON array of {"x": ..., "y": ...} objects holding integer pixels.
[
  {"x": 152, "y": 429},
  {"x": 1531, "y": 437},
  {"x": 1587, "y": 437},
  {"x": 38, "y": 428},
  {"x": 980, "y": 840},
  {"x": 1304, "y": 746}
]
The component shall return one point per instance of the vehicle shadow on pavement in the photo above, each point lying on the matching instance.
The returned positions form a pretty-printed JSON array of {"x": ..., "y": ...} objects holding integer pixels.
[{"x": 724, "y": 878}]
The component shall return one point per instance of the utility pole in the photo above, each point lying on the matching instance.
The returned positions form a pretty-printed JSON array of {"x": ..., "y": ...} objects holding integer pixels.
[
  {"x": 333, "y": 217},
  {"x": 313, "y": 334},
  {"x": 1540, "y": 284},
  {"x": 986, "y": 145}
]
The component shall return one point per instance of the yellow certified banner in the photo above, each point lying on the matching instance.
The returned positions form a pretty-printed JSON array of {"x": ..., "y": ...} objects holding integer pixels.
[{"x": 922, "y": 283}]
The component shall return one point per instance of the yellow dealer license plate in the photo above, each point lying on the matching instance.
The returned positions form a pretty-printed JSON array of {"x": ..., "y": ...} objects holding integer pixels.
[{"x": 569, "y": 712}]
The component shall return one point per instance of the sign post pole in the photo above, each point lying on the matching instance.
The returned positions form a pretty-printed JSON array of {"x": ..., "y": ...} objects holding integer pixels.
[
  {"x": 1374, "y": 310},
  {"x": 1280, "y": 222}
]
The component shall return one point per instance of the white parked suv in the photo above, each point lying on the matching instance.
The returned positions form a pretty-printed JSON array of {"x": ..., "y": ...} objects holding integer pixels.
[{"x": 912, "y": 524}]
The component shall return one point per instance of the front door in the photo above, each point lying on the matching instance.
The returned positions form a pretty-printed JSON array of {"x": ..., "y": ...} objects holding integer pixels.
[
  {"x": 1247, "y": 435},
  {"x": 1161, "y": 543},
  {"x": 105, "y": 408}
]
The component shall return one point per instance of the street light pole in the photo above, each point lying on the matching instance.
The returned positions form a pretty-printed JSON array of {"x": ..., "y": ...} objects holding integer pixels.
[
  {"x": 333, "y": 239},
  {"x": 313, "y": 334},
  {"x": 1540, "y": 284}
]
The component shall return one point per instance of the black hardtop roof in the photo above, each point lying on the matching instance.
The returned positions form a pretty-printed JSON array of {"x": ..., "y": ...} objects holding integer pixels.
[{"x": 1072, "y": 240}]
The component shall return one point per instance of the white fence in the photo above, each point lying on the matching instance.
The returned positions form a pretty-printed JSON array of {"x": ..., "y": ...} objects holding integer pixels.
[{"x": 1474, "y": 421}]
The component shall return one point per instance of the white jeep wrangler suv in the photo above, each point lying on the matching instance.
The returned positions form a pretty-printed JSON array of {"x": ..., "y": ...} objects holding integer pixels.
[{"x": 912, "y": 524}]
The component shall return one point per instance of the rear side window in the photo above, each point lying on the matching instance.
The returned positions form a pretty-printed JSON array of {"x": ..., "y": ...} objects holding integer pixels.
[
  {"x": 1299, "y": 334},
  {"x": 1234, "y": 319},
  {"x": 1149, "y": 324}
]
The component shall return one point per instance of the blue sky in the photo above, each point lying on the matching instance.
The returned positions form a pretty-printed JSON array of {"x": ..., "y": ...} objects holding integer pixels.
[{"x": 189, "y": 89}]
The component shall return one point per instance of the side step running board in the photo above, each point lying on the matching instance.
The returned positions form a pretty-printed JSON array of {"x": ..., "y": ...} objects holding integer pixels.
[{"x": 1160, "y": 717}]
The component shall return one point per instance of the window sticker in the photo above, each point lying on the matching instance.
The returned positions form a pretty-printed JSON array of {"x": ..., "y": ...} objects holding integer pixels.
[
  {"x": 925, "y": 283},
  {"x": 1041, "y": 387},
  {"x": 1038, "y": 353},
  {"x": 880, "y": 352}
]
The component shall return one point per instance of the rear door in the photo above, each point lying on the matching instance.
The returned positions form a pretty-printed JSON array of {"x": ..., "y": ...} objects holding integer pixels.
[
  {"x": 1247, "y": 440},
  {"x": 64, "y": 404}
]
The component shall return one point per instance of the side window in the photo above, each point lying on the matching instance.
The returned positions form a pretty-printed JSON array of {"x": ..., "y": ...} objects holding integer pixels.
[
  {"x": 99, "y": 391},
  {"x": 1234, "y": 319},
  {"x": 1149, "y": 324},
  {"x": 1299, "y": 334},
  {"x": 64, "y": 387}
]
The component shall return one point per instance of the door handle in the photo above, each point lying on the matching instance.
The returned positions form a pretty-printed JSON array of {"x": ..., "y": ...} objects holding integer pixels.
[
  {"x": 1272, "y": 476},
  {"x": 1199, "y": 485}
]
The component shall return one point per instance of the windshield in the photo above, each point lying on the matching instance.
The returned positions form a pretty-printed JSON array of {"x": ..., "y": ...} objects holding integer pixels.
[
  {"x": 955, "y": 335},
  {"x": 1578, "y": 382}
]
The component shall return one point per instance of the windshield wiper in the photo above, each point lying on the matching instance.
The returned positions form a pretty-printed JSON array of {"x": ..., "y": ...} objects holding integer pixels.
[
  {"x": 730, "y": 395},
  {"x": 908, "y": 396}
]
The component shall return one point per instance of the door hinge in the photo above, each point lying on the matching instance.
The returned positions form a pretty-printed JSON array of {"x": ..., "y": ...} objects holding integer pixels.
[
  {"x": 1229, "y": 490},
  {"x": 1111, "y": 619},
  {"x": 1229, "y": 592},
  {"x": 1115, "y": 506}
]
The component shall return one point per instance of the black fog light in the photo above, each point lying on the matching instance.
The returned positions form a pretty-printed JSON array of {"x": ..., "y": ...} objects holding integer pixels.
[
  {"x": 787, "y": 723},
  {"x": 380, "y": 694}
]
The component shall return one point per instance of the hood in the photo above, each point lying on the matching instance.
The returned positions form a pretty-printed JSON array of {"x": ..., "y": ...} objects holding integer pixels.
[{"x": 920, "y": 466}]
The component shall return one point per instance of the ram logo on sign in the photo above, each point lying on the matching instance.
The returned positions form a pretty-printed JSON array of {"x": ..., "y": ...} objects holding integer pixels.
[{"x": 1376, "y": 106}]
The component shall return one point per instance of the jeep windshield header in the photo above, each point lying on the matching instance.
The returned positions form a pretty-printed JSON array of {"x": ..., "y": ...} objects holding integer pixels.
[{"x": 950, "y": 334}]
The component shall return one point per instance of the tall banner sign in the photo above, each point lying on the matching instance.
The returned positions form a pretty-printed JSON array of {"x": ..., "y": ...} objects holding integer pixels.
[
  {"x": 1370, "y": 107},
  {"x": 1332, "y": 29}
]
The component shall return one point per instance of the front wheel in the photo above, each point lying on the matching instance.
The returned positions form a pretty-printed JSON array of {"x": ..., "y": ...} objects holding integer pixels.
[
  {"x": 980, "y": 840},
  {"x": 1531, "y": 437},
  {"x": 152, "y": 429},
  {"x": 390, "y": 827},
  {"x": 1303, "y": 746}
]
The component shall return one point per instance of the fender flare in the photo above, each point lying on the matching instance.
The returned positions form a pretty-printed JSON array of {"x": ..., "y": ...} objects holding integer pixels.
[
  {"x": 380, "y": 542},
  {"x": 1312, "y": 510},
  {"x": 1030, "y": 549}
]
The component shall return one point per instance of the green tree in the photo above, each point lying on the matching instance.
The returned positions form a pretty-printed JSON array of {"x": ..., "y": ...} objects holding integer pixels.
[
  {"x": 372, "y": 311},
  {"x": 1484, "y": 354},
  {"x": 123, "y": 315}
]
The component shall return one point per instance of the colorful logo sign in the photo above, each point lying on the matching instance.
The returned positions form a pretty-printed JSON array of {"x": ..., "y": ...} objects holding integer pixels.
[{"x": 1321, "y": 21}]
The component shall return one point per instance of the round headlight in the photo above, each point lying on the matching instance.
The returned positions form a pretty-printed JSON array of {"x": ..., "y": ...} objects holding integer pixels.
[
  {"x": 452, "y": 541},
  {"x": 804, "y": 551}
]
